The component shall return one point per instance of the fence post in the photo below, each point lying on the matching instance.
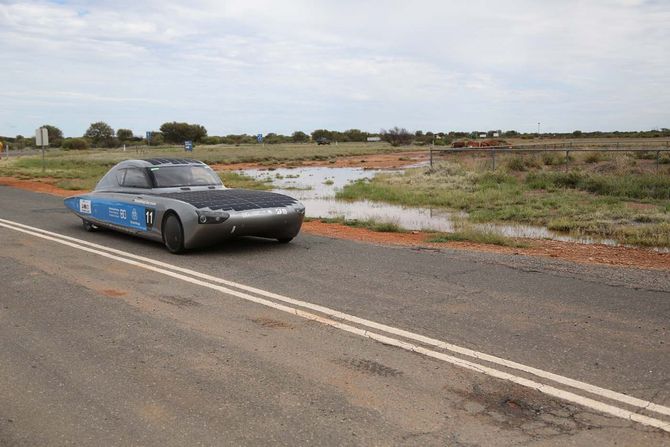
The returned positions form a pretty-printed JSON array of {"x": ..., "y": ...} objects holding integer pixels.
[
  {"x": 658, "y": 160},
  {"x": 567, "y": 160},
  {"x": 431, "y": 158},
  {"x": 493, "y": 156}
]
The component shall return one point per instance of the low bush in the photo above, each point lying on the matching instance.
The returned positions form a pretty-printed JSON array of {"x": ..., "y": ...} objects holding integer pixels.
[
  {"x": 516, "y": 164},
  {"x": 522, "y": 163},
  {"x": 75, "y": 144},
  {"x": 593, "y": 157},
  {"x": 552, "y": 159},
  {"x": 469, "y": 234},
  {"x": 629, "y": 186}
]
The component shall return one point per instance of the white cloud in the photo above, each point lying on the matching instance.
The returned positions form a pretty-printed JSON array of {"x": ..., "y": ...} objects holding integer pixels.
[{"x": 266, "y": 66}]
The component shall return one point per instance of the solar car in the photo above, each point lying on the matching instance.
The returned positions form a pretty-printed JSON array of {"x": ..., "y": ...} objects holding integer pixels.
[{"x": 183, "y": 204}]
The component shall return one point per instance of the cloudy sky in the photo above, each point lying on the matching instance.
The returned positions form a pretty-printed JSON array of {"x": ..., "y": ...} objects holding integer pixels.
[{"x": 261, "y": 66}]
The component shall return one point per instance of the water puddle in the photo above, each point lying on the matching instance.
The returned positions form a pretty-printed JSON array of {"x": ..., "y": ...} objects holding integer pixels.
[{"x": 315, "y": 187}]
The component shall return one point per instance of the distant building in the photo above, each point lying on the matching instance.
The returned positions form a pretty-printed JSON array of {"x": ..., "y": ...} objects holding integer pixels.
[
  {"x": 482, "y": 135},
  {"x": 374, "y": 139}
]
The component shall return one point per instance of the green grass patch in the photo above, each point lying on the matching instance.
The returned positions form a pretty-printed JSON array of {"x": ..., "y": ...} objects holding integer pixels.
[
  {"x": 236, "y": 180},
  {"x": 480, "y": 236},
  {"x": 629, "y": 208},
  {"x": 369, "y": 224},
  {"x": 629, "y": 186}
]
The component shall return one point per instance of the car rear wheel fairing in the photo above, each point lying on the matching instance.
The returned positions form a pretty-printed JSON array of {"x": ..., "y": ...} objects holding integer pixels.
[
  {"x": 173, "y": 234},
  {"x": 89, "y": 226},
  {"x": 285, "y": 240}
]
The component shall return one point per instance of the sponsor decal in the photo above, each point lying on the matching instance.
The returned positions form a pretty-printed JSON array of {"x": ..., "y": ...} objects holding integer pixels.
[
  {"x": 119, "y": 213},
  {"x": 84, "y": 206}
]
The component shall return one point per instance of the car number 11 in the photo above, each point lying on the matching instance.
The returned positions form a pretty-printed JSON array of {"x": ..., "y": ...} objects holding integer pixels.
[{"x": 149, "y": 216}]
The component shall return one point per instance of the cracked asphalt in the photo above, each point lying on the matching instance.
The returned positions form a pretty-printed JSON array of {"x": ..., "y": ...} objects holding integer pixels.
[{"x": 97, "y": 352}]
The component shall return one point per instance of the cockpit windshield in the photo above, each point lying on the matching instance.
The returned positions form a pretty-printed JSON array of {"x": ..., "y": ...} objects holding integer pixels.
[{"x": 175, "y": 176}]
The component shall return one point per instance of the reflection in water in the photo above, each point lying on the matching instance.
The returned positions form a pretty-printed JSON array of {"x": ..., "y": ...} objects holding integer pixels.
[{"x": 315, "y": 187}]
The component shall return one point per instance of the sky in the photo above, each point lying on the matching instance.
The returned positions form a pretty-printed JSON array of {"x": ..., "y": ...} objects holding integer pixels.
[{"x": 247, "y": 66}]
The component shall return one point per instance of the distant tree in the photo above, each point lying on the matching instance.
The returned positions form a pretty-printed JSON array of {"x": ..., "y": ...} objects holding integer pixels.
[
  {"x": 577, "y": 133},
  {"x": 273, "y": 138},
  {"x": 299, "y": 137},
  {"x": 175, "y": 132},
  {"x": 157, "y": 139},
  {"x": 55, "y": 135},
  {"x": 355, "y": 135},
  {"x": 100, "y": 134},
  {"x": 20, "y": 142},
  {"x": 322, "y": 133},
  {"x": 124, "y": 135},
  {"x": 397, "y": 136}
]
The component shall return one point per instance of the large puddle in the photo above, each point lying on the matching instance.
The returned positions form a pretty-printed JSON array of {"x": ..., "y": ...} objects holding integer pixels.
[{"x": 315, "y": 187}]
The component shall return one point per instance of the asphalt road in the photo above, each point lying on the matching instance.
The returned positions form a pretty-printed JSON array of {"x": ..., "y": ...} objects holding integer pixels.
[{"x": 96, "y": 351}]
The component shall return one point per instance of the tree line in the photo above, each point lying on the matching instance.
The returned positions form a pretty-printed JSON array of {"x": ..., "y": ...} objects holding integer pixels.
[{"x": 102, "y": 135}]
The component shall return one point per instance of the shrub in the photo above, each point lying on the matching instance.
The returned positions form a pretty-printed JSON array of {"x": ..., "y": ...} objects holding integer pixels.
[
  {"x": 650, "y": 155},
  {"x": 522, "y": 163},
  {"x": 553, "y": 180},
  {"x": 516, "y": 164},
  {"x": 211, "y": 140},
  {"x": 630, "y": 186},
  {"x": 157, "y": 139},
  {"x": 593, "y": 157},
  {"x": 552, "y": 159},
  {"x": 75, "y": 144}
]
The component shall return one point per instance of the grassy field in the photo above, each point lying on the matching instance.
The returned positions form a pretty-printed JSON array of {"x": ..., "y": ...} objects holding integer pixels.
[
  {"x": 620, "y": 196},
  {"x": 78, "y": 170},
  {"x": 605, "y": 196}
]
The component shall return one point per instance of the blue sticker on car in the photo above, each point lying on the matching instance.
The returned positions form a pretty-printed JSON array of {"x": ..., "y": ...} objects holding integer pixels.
[{"x": 113, "y": 211}]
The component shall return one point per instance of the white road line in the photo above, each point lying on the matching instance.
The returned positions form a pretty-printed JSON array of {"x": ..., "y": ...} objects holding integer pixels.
[
  {"x": 543, "y": 388},
  {"x": 598, "y": 391}
]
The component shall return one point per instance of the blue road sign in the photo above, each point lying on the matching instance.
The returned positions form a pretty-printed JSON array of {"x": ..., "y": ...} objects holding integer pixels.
[
  {"x": 188, "y": 146},
  {"x": 259, "y": 137},
  {"x": 149, "y": 135}
]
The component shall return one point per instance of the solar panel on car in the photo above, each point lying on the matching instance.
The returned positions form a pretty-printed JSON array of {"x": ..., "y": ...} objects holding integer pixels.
[
  {"x": 172, "y": 161},
  {"x": 231, "y": 199}
]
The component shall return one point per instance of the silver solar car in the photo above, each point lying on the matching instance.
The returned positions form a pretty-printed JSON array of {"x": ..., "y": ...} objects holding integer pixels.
[{"x": 183, "y": 204}]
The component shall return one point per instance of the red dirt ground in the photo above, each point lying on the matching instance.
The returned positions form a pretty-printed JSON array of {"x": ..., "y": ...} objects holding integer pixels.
[{"x": 579, "y": 253}]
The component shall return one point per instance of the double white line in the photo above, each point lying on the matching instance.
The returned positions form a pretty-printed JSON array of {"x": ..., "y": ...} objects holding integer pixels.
[{"x": 601, "y": 399}]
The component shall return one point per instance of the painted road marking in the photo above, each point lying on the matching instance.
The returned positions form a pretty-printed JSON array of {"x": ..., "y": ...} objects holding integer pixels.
[
  {"x": 171, "y": 270},
  {"x": 601, "y": 392}
]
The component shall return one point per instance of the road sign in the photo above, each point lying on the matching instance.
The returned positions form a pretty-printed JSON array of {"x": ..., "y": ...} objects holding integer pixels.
[
  {"x": 42, "y": 137},
  {"x": 188, "y": 146},
  {"x": 259, "y": 137},
  {"x": 149, "y": 133}
]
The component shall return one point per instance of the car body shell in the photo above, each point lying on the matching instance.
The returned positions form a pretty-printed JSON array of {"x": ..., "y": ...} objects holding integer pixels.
[{"x": 208, "y": 214}]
